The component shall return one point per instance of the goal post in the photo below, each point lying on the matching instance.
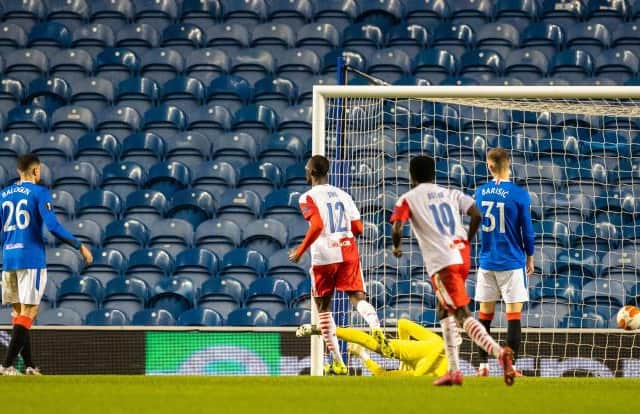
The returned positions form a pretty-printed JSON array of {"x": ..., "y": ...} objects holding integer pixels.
[{"x": 572, "y": 148}]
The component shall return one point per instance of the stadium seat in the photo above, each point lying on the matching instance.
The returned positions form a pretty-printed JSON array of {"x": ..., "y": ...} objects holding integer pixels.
[
  {"x": 123, "y": 178},
  {"x": 197, "y": 264},
  {"x": 604, "y": 292},
  {"x": 582, "y": 320},
  {"x": 298, "y": 65},
  {"x": 165, "y": 120},
  {"x": 214, "y": 177},
  {"x": 231, "y": 91},
  {"x": 519, "y": 13},
  {"x": 363, "y": 38},
  {"x": 153, "y": 317},
  {"x": 148, "y": 206},
  {"x": 280, "y": 267},
  {"x": 240, "y": 206},
  {"x": 207, "y": 64},
  {"x": 172, "y": 235},
  {"x": 99, "y": 150},
  {"x": 12, "y": 146},
  {"x": 545, "y": 315},
  {"x": 435, "y": 64},
  {"x": 553, "y": 232},
  {"x": 257, "y": 120},
  {"x": 228, "y": 37},
  {"x": 73, "y": 121},
  {"x": 145, "y": 148},
  {"x": 126, "y": 294},
  {"x": 190, "y": 148},
  {"x": 162, "y": 64},
  {"x": 219, "y": 236},
  {"x": 471, "y": 12},
  {"x": 351, "y": 58},
  {"x": 193, "y": 206},
  {"x": 183, "y": 37},
  {"x": 52, "y": 148},
  {"x": 454, "y": 37},
  {"x": 481, "y": 64},
  {"x": 410, "y": 38},
  {"x": 554, "y": 11},
  {"x": 76, "y": 178},
  {"x": 576, "y": 263},
  {"x": 272, "y": 37},
  {"x": 168, "y": 177},
  {"x": 11, "y": 94},
  {"x": 175, "y": 295},
  {"x": 138, "y": 93},
  {"x": 321, "y": 37},
  {"x": 591, "y": 37},
  {"x": 556, "y": 290},
  {"x": 265, "y": 236},
  {"x": 112, "y": 13},
  {"x": 626, "y": 37},
  {"x": 62, "y": 263},
  {"x": 222, "y": 294},
  {"x": 101, "y": 206},
  {"x": 295, "y": 179},
  {"x": 302, "y": 295},
  {"x": 292, "y": 317},
  {"x": 252, "y": 64},
  {"x": 620, "y": 264},
  {"x": 150, "y": 265},
  {"x": 59, "y": 317},
  {"x": 126, "y": 235},
  {"x": 249, "y": 317},
  {"x": 210, "y": 120},
  {"x": 544, "y": 37},
  {"x": 116, "y": 64},
  {"x": 261, "y": 178},
  {"x": 412, "y": 292},
  {"x": 574, "y": 65},
  {"x": 119, "y": 121},
  {"x": 200, "y": 13},
  {"x": 81, "y": 294},
  {"x": 619, "y": 65},
  {"x": 49, "y": 37},
  {"x": 156, "y": 13},
  {"x": 269, "y": 294},
  {"x": 389, "y": 64},
  {"x": 236, "y": 149},
  {"x": 200, "y": 317},
  {"x": 296, "y": 120},
  {"x": 87, "y": 231},
  {"x": 528, "y": 65},
  {"x": 48, "y": 93},
  {"x": 607, "y": 12},
  {"x": 107, "y": 317},
  {"x": 72, "y": 65},
  {"x": 243, "y": 264},
  {"x": 64, "y": 205},
  {"x": 27, "y": 121},
  {"x": 12, "y": 37},
  {"x": 25, "y": 65},
  {"x": 107, "y": 265},
  {"x": 282, "y": 205},
  {"x": 93, "y": 37},
  {"x": 276, "y": 93},
  {"x": 184, "y": 92}
]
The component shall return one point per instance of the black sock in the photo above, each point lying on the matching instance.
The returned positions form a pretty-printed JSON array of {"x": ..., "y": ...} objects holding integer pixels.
[
  {"x": 514, "y": 335},
  {"x": 16, "y": 344},
  {"x": 26, "y": 350},
  {"x": 482, "y": 353}
]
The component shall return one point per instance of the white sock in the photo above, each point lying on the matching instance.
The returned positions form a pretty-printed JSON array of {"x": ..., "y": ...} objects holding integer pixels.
[
  {"x": 328, "y": 330},
  {"x": 483, "y": 365},
  {"x": 449, "y": 331},
  {"x": 368, "y": 312},
  {"x": 479, "y": 335}
]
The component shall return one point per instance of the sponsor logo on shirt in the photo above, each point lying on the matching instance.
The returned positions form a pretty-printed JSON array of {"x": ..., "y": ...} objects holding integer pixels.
[{"x": 14, "y": 246}]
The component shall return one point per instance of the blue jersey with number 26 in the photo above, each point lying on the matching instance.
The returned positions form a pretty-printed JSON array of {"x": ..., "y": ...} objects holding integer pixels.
[
  {"x": 507, "y": 231},
  {"x": 24, "y": 208}
]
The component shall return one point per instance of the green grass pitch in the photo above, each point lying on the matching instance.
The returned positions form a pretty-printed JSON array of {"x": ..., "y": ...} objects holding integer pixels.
[{"x": 179, "y": 395}]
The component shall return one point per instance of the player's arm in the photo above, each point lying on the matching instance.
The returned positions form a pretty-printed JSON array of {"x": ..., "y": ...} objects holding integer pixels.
[
  {"x": 45, "y": 208},
  {"x": 401, "y": 214},
  {"x": 528, "y": 233},
  {"x": 357, "y": 228},
  {"x": 312, "y": 215},
  {"x": 476, "y": 218}
]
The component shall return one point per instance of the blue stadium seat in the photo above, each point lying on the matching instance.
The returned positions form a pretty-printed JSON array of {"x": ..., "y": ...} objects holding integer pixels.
[
  {"x": 73, "y": 120},
  {"x": 466, "y": 145},
  {"x": 123, "y": 178},
  {"x": 222, "y": 294},
  {"x": 233, "y": 92},
  {"x": 351, "y": 58},
  {"x": 119, "y": 120},
  {"x": 150, "y": 265},
  {"x": 200, "y": 317},
  {"x": 528, "y": 65},
  {"x": 542, "y": 177},
  {"x": 454, "y": 37},
  {"x": 12, "y": 37},
  {"x": 302, "y": 295},
  {"x": 126, "y": 294},
  {"x": 11, "y": 94},
  {"x": 412, "y": 292},
  {"x": 582, "y": 320},
  {"x": 214, "y": 177},
  {"x": 296, "y": 120},
  {"x": 633, "y": 294},
  {"x": 240, "y": 206},
  {"x": 193, "y": 206},
  {"x": 81, "y": 294},
  {"x": 172, "y": 235},
  {"x": 389, "y": 64},
  {"x": 236, "y": 149},
  {"x": 228, "y": 38},
  {"x": 435, "y": 64},
  {"x": 363, "y": 38},
  {"x": 183, "y": 37},
  {"x": 168, "y": 177},
  {"x": 556, "y": 290},
  {"x": 428, "y": 14},
  {"x": 190, "y": 148},
  {"x": 107, "y": 317},
  {"x": 27, "y": 121},
  {"x": 184, "y": 92},
  {"x": 153, "y": 317},
  {"x": 282, "y": 205},
  {"x": 138, "y": 93},
  {"x": 608, "y": 12},
  {"x": 49, "y": 37},
  {"x": 145, "y": 148},
  {"x": 298, "y": 65},
  {"x": 52, "y": 148},
  {"x": 265, "y": 236},
  {"x": 116, "y": 64},
  {"x": 257, "y": 120},
  {"x": 556, "y": 12},
  {"x": 99, "y": 150},
  {"x": 384, "y": 13},
  {"x": 500, "y": 37},
  {"x": 576, "y": 263},
  {"x": 572, "y": 207},
  {"x": 175, "y": 295},
  {"x": 126, "y": 235},
  {"x": 545, "y": 315},
  {"x": 219, "y": 236},
  {"x": 25, "y": 65},
  {"x": 519, "y": 13},
  {"x": 574, "y": 65},
  {"x": 471, "y": 12},
  {"x": 295, "y": 179},
  {"x": 62, "y": 263},
  {"x": 409, "y": 38},
  {"x": 294, "y": 13},
  {"x": 553, "y": 232},
  {"x": 72, "y": 65},
  {"x": 619, "y": 65},
  {"x": 544, "y": 37},
  {"x": 621, "y": 264},
  {"x": 162, "y": 64},
  {"x": 270, "y": 294},
  {"x": 87, "y": 231},
  {"x": 276, "y": 93},
  {"x": 148, "y": 206},
  {"x": 59, "y": 317},
  {"x": 321, "y": 37},
  {"x": 591, "y": 37},
  {"x": 12, "y": 146},
  {"x": 107, "y": 265},
  {"x": 481, "y": 64},
  {"x": 93, "y": 37},
  {"x": 272, "y": 37},
  {"x": 112, "y": 13},
  {"x": 280, "y": 267},
  {"x": 245, "y": 265},
  {"x": 626, "y": 37},
  {"x": 248, "y": 13},
  {"x": 249, "y": 317},
  {"x": 76, "y": 177},
  {"x": 158, "y": 13},
  {"x": 292, "y": 317},
  {"x": 101, "y": 206},
  {"x": 64, "y": 205},
  {"x": 252, "y": 64},
  {"x": 261, "y": 178},
  {"x": 165, "y": 120},
  {"x": 201, "y": 13},
  {"x": 210, "y": 120},
  {"x": 385, "y": 265},
  {"x": 207, "y": 64},
  {"x": 377, "y": 293},
  {"x": 197, "y": 264},
  {"x": 604, "y": 292}
]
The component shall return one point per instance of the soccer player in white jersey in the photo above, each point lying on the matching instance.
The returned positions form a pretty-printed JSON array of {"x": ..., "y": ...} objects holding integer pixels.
[
  {"x": 435, "y": 214},
  {"x": 335, "y": 263},
  {"x": 506, "y": 249}
]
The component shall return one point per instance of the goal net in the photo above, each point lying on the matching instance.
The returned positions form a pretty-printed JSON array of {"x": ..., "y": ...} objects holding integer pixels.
[{"x": 573, "y": 148}]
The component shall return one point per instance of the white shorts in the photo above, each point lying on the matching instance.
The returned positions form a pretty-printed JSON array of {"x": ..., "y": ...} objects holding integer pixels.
[
  {"x": 25, "y": 286},
  {"x": 508, "y": 285}
]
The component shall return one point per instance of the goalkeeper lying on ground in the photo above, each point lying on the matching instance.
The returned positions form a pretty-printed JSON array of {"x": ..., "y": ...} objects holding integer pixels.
[{"x": 420, "y": 351}]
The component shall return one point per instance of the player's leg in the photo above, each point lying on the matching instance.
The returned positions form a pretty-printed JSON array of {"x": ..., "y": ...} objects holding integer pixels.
[
  {"x": 513, "y": 285},
  {"x": 487, "y": 293},
  {"x": 356, "y": 336},
  {"x": 408, "y": 329},
  {"x": 451, "y": 346},
  {"x": 31, "y": 287},
  {"x": 323, "y": 279},
  {"x": 10, "y": 296}
]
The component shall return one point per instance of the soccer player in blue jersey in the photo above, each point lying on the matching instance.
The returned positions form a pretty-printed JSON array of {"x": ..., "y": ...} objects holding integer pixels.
[
  {"x": 506, "y": 249},
  {"x": 24, "y": 208}
]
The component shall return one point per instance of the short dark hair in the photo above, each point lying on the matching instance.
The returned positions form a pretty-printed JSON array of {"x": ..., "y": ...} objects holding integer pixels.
[
  {"x": 319, "y": 166},
  {"x": 422, "y": 169},
  {"x": 27, "y": 161},
  {"x": 500, "y": 157}
]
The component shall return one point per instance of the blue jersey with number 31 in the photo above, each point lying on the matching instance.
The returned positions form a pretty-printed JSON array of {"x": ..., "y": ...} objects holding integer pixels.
[
  {"x": 507, "y": 235},
  {"x": 24, "y": 208}
]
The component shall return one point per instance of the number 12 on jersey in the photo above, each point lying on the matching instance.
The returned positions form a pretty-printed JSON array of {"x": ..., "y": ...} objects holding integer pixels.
[
  {"x": 341, "y": 224},
  {"x": 492, "y": 218}
]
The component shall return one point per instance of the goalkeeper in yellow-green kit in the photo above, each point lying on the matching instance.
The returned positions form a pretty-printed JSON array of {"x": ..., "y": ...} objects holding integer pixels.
[{"x": 420, "y": 351}]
